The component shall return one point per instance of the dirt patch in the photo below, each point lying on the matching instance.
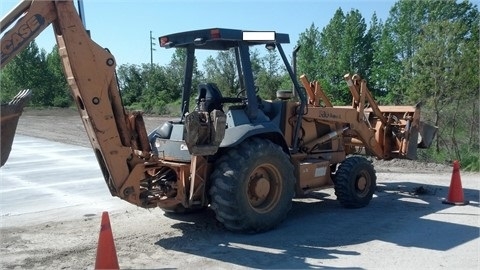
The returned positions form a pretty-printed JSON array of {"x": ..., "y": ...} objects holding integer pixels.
[
  {"x": 65, "y": 125},
  {"x": 409, "y": 166}
]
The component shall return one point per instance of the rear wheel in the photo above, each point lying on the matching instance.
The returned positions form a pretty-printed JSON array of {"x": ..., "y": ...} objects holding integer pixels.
[
  {"x": 252, "y": 186},
  {"x": 355, "y": 182}
]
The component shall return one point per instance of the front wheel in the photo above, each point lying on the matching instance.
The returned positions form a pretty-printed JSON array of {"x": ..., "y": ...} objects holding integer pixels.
[
  {"x": 252, "y": 186},
  {"x": 355, "y": 182}
]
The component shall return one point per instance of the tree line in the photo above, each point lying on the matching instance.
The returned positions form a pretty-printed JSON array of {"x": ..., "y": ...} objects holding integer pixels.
[{"x": 426, "y": 51}]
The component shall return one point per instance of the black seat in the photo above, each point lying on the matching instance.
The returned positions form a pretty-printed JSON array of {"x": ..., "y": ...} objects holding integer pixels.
[{"x": 211, "y": 95}]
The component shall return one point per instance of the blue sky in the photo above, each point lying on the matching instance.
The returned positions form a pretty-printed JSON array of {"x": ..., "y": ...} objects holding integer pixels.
[{"x": 123, "y": 26}]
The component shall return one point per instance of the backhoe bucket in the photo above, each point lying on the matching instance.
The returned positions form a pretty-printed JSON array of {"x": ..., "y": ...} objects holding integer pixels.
[{"x": 10, "y": 113}]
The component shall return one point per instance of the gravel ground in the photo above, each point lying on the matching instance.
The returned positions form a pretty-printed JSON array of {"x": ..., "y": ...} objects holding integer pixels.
[
  {"x": 64, "y": 125},
  {"x": 404, "y": 228}
]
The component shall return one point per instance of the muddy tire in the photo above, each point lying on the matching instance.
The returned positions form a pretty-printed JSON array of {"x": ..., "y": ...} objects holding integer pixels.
[
  {"x": 252, "y": 186},
  {"x": 355, "y": 182}
]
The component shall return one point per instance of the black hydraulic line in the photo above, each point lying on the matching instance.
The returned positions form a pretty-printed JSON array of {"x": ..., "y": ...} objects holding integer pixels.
[{"x": 301, "y": 95}]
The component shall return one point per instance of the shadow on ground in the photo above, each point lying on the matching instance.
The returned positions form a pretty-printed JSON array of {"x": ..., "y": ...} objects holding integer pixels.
[{"x": 318, "y": 229}]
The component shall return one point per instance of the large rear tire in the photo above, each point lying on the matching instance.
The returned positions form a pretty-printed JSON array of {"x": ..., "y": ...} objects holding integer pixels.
[
  {"x": 252, "y": 186},
  {"x": 355, "y": 182}
]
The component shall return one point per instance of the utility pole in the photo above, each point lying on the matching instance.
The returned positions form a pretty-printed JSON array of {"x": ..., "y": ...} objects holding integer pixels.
[{"x": 151, "y": 48}]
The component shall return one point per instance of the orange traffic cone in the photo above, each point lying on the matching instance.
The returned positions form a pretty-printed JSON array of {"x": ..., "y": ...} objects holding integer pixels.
[
  {"x": 455, "y": 193},
  {"x": 106, "y": 252}
]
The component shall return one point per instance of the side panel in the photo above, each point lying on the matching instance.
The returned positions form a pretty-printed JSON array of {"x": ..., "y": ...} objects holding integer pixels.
[
  {"x": 239, "y": 129},
  {"x": 313, "y": 174}
]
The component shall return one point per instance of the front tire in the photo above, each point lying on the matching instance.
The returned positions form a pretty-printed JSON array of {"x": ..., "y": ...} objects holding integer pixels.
[
  {"x": 355, "y": 182},
  {"x": 252, "y": 186}
]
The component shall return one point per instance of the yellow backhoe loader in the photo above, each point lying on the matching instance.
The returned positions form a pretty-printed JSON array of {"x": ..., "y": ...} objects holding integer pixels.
[{"x": 243, "y": 156}]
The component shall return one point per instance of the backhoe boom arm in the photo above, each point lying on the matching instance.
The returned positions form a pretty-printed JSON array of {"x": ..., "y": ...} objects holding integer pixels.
[{"x": 119, "y": 139}]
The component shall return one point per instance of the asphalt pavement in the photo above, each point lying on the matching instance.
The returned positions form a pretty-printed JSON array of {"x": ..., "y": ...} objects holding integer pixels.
[{"x": 49, "y": 181}]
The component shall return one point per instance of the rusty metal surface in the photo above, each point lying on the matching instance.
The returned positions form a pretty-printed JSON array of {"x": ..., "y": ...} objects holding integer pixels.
[{"x": 385, "y": 132}]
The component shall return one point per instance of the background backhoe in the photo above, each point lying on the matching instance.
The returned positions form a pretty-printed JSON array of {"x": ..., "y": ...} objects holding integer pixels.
[{"x": 243, "y": 156}]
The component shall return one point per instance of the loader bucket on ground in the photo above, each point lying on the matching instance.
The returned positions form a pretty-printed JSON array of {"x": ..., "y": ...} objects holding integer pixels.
[
  {"x": 427, "y": 133},
  {"x": 10, "y": 113},
  {"x": 420, "y": 137}
]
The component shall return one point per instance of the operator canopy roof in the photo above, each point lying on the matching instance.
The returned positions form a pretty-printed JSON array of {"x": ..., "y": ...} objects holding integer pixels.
[{"x": 221, "y": 38}]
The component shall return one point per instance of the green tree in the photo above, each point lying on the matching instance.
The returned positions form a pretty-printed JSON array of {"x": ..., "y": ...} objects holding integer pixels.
[
  {"x": 146, "y": 87},
  {"x": 308, "y": 56},
  {"x": 446, "y": 78},
  {"x": 42, "y": 73},
  {"x": 333, "y": 61},
  {"x": 131, "y": 83},
  {"x": 28, "y": 70},
  {"x": 425, "y": 54},
  {"x": 156, "y": 94},
  {"x": 154, "y": 88},
  {"x": 176, "y": 72},
  {"x": 269, "y": 74},
  {"x": 370, "y": 40},
  {"x": 385, "y": 67},
  {"x": 345, "y": 48},
  {"x": 270, "y": 77},
  {"x": 355, "y": 44},
  {"x": 59, "y": 87},
  {"x": 222, "y": 70},
  {"x": 257, "y": 65},
  {"x": 403, "y": 23}
]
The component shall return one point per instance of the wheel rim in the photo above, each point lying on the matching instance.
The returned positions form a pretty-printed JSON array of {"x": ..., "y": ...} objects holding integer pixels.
[
  {"x": 363, "y": 183},
  {"x": 264, "y": 188}
]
